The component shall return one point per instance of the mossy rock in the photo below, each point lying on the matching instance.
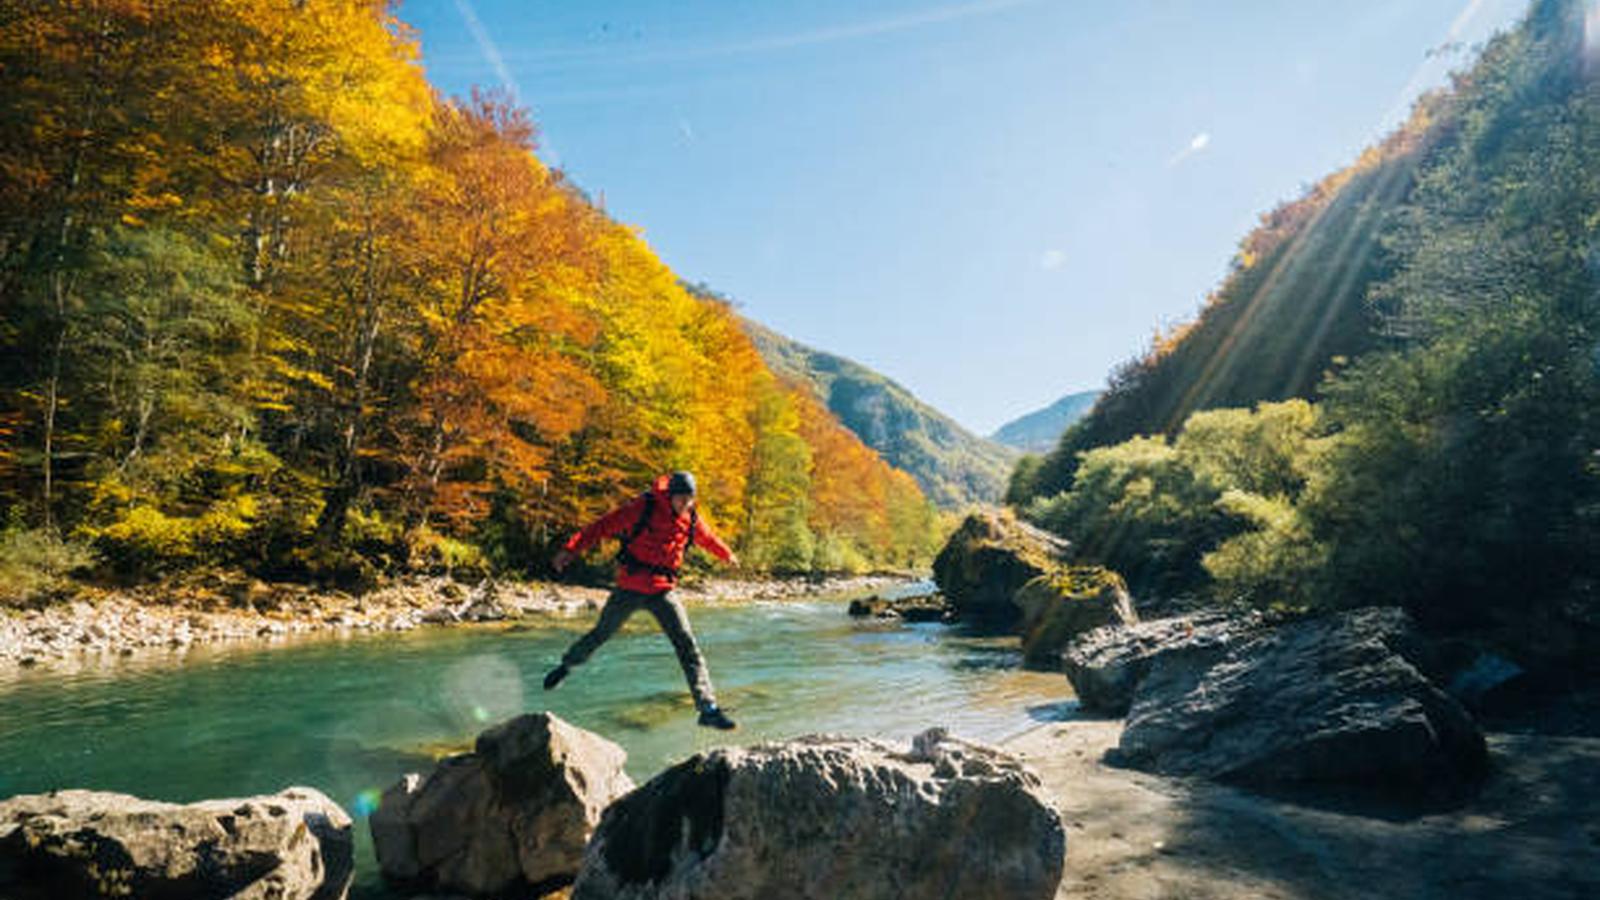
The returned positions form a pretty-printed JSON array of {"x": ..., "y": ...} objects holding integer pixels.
[
  {"x": 989, "y": 558},
  {"x": 1059, "y": 605}
]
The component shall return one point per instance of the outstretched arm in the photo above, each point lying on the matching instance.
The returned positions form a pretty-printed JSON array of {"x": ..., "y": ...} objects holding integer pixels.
[
  {"x": 609, "y": 525},
  {"x": 705, "y": 537}
]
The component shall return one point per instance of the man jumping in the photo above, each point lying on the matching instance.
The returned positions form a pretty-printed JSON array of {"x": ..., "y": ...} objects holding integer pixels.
[{"x": 656, "y": 530}]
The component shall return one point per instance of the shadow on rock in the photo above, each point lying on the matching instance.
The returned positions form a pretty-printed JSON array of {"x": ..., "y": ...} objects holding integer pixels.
[
  {"x": 1065, "y": 711},
  {"x": 1523, "y": 835}
]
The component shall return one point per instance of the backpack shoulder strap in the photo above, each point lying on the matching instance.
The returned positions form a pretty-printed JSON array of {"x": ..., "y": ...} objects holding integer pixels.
[{"x": 644, "y": 519}]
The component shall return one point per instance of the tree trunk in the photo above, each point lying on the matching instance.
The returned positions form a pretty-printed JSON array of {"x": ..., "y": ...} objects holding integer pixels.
[
  {"x": 147, "y": 405},
  {"x": 59, "y": 279},
  {"x": 347, "y": 468},
  {"x": 59, "y": 288},
  {"x": 52, "y": 403}
]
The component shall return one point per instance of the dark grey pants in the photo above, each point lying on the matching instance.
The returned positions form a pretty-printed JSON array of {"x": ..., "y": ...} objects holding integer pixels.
[{"x": 674, "y": 622}]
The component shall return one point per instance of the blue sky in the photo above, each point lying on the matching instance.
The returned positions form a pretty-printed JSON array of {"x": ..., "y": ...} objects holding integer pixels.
[{"x": 992, "y": 201}]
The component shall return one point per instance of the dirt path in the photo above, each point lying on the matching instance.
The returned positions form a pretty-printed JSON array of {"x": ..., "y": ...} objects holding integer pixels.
[{"x": 1532, "y": 833}]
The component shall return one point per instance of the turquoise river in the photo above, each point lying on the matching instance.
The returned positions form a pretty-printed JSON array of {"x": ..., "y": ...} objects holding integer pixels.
[{"x": 349, "y": 716}]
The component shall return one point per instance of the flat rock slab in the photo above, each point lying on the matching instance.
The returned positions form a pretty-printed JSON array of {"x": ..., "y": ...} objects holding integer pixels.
[
  {"x": 1320, "y": 700},
  {"x": 294, "y": 845},
  {"x": 1105, "y": 665},
  {"x": 832, "y": 818}
]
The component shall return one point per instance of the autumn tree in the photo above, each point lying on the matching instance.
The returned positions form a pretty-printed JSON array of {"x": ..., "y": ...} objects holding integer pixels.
[
  {"x": 500, "y": 250},
  {"x": 777, "y": 532},
  {"x": 270, "y": 301},
  {"x": 80, "y": 86}
]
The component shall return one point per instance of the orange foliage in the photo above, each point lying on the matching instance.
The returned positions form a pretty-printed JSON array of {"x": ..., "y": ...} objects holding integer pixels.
[
  {"x": 432, "y": 321},
  {"x": 500, "y": 243},
  {"x": 849, "y": 480}
]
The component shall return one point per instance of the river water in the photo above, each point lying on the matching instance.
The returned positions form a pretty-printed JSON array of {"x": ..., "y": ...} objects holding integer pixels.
[{"x": 350, "y": 716}]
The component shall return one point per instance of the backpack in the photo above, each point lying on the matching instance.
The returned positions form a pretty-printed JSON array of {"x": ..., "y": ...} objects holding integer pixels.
[{"x": 625, "y": 555}]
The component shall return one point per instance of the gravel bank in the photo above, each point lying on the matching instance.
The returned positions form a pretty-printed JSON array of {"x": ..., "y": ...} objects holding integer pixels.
[{"x": 98, "y": 623}]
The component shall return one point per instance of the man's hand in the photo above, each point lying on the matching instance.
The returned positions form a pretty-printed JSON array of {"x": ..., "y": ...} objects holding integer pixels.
[
  {"x": 564, "y": 558},
  {"x": 733, "y": 560}
]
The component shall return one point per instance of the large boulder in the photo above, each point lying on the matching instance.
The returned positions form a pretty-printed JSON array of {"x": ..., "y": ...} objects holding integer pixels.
[
  {"x": 1106, "y": 664},
  {"x": 512, "y": 817},
  {"x": 1332, "y": 699},
  {"x": 295, "y": 845},
  {"x": 830, "y": 818},
  {"x": 1060, "y": 605},
  {"x": 989, "y": 558}
]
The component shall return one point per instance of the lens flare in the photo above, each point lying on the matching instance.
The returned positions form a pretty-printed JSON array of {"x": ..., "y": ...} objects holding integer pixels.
[
  {"x": 366, "y": 803},
  {"x": 480, "y": 690}
]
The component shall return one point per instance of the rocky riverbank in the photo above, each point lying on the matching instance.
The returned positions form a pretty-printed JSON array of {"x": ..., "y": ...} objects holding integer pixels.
[
  {"x": 1343, "y": 755},
  {"x": 538, "y": 806},
  {"x": 97, "y": 624}
]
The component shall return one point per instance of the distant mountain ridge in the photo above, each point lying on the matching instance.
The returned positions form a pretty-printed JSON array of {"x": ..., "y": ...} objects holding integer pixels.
[
  {"x": 954, "y": 467},
  {"x": 1040, "y": 430}
]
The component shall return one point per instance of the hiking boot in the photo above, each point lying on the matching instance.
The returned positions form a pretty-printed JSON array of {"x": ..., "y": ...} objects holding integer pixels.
[
  {"x": 554, "y": 676},
  {"x": 712, "y": 717}
]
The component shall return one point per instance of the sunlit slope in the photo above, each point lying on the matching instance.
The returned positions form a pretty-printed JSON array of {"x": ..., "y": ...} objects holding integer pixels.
[
  {"x": 1319, "y": 281},
  {"x": 954, "y": 466}
]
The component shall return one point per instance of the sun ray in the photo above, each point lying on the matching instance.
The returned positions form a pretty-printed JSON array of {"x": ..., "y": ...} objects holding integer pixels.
[{"x": 1220, "y": 361}]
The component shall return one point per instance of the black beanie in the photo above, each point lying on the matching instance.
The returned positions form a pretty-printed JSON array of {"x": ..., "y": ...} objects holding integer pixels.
[{"x": 680, "y": 483}]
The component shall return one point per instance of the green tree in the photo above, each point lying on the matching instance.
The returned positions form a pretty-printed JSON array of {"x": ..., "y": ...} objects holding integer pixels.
[
  {"x": 1152, "y": 509},
  {"x": 776, "y": 534}
]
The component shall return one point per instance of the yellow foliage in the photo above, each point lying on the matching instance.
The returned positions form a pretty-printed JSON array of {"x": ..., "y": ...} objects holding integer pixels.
[{"x": 432, "y": 320}]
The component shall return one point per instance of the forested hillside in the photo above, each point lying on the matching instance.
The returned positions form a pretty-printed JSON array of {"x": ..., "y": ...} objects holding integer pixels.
[
  {"x": 955, "y": 467},
  {"x": 1440, "y": 304},
  {"x": 1299, "y": 301},
  {"x": 266, "y": 299}
]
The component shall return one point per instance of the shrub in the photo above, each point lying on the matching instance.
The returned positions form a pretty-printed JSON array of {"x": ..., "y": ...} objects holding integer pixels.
[
  {"x": 1138, "y": 509},
  {"x": 1277, "y": 563},
  {"x": 1152, "y": 509},
  {"x": 436, "y": 552},
  {"x": 376, "y": 537},
  {"x": 35, "y": 562},
  {"x": 143, "y": 540},
  {"x": 835, "y": 553}
]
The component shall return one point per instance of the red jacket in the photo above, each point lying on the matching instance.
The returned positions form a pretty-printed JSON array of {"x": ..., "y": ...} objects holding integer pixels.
[{"x": 662, "y": 543}]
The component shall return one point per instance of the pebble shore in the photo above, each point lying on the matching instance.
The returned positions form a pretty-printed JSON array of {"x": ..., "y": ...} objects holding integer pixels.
[{"x": 98, "y": 623}]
